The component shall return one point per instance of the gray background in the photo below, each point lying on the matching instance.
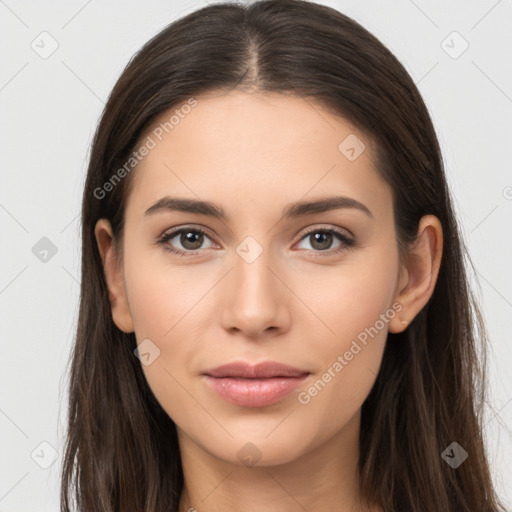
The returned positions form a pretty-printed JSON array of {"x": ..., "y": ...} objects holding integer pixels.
[{"x": 49, "y": 108}]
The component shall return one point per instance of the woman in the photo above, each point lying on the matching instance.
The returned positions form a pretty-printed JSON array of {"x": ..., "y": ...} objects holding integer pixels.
[{"x": 274, "y": 313}]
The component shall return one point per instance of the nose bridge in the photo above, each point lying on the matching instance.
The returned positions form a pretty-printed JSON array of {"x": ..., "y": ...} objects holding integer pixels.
[
  {"x": 252, "y": 276},
  {"x": 256, "y": 299}
]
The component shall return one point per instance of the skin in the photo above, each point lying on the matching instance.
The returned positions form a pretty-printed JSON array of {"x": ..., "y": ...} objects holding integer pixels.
[{"x": 253, "y": 154}]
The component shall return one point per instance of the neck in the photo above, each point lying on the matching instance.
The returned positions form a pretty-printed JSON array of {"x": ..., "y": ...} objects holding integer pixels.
[{"x": 323, "y": 478}]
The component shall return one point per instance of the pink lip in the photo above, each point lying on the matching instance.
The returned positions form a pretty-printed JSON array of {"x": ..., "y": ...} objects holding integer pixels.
[
  {"x": 264, "y": 370},
  {"x": 254, "y": 386}
]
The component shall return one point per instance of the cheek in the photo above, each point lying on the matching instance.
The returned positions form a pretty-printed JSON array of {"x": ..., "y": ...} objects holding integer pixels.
[
  {"x": 348, "y": 367},
  {"x": 349, "y": 300},
  {"x": 357, "y": 309},
  {"x": 166, "y": 305},
  {"x": 162, "y": 297}
]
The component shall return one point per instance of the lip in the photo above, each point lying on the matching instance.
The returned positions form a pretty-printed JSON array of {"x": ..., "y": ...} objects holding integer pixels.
[
  {"x": 264, "y": 370},
  {"x": 254, "y": 385}
]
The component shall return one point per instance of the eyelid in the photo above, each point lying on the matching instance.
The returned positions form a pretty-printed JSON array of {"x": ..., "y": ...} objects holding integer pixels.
[
  {"x": 325, "y": 227},
  {"x": 174, "y": 231}
]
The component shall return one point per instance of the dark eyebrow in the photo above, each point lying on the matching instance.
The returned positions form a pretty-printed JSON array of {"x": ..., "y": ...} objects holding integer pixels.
[
  {"x": 323, "y": 205},
  {"x": 186, "y": 205},
  {"x": 292, "y": 210}
]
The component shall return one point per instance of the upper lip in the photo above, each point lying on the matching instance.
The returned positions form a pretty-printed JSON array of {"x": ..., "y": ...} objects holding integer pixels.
[{"x": 264, "y": 370}]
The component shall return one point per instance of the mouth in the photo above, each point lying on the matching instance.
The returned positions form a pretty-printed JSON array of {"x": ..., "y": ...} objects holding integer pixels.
[
  {"x": 264, "y": 370},
  {"x": 254, "y": 386}
]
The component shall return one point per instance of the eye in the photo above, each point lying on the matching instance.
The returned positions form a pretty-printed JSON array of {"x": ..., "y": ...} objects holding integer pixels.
[
  {"x": 191, "y": 239},
  {"x": 321, "y": 240}
]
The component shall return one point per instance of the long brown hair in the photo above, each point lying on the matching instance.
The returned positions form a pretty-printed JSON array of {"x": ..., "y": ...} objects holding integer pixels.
[{"x": 122, "y": 451}]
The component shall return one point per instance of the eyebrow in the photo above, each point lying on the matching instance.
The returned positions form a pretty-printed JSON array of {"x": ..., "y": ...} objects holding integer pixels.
[{"x": 292, "y": 210}]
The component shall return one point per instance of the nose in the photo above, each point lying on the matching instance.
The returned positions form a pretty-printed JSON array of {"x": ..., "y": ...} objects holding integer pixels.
[{"x": 255, "y": 300}]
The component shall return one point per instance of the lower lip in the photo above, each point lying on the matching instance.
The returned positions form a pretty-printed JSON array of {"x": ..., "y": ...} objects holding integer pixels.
[{"x": 254, "y": 392}]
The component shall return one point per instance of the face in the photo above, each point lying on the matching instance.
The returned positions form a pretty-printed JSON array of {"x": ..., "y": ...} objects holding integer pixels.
[{"x": 311, "y": 288}]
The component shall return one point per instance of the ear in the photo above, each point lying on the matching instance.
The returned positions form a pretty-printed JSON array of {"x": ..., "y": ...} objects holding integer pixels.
[
  {"x": 419, "y": 276},
  {"x": 121, "y": 313}
]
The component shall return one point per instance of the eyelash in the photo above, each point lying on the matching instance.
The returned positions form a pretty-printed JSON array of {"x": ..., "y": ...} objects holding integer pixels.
[{"x": 347, "y": 242}]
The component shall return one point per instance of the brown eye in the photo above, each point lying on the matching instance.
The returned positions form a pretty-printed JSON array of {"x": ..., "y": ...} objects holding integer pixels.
[
  {"x": 190, "y": 240},
  {"x": 321, "y": 240}
]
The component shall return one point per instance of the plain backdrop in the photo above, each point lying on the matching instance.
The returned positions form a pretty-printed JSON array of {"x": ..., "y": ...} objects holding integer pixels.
[{"x": 59, "y": 61}]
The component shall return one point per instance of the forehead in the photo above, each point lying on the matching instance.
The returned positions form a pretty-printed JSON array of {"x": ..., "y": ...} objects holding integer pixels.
[
  {"x": 236, "y": 143},
  {"x": 244, "y": 121}
]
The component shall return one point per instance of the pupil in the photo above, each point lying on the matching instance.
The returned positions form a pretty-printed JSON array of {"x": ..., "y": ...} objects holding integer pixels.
[
  {"x": 322, "y": 237},
  {"x": 193, "y": 238}
]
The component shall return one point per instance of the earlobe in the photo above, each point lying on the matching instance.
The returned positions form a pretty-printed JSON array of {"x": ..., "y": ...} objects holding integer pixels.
[
  {"x": 121, "y": 313},
  {"x": 421, "y": 273}
]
